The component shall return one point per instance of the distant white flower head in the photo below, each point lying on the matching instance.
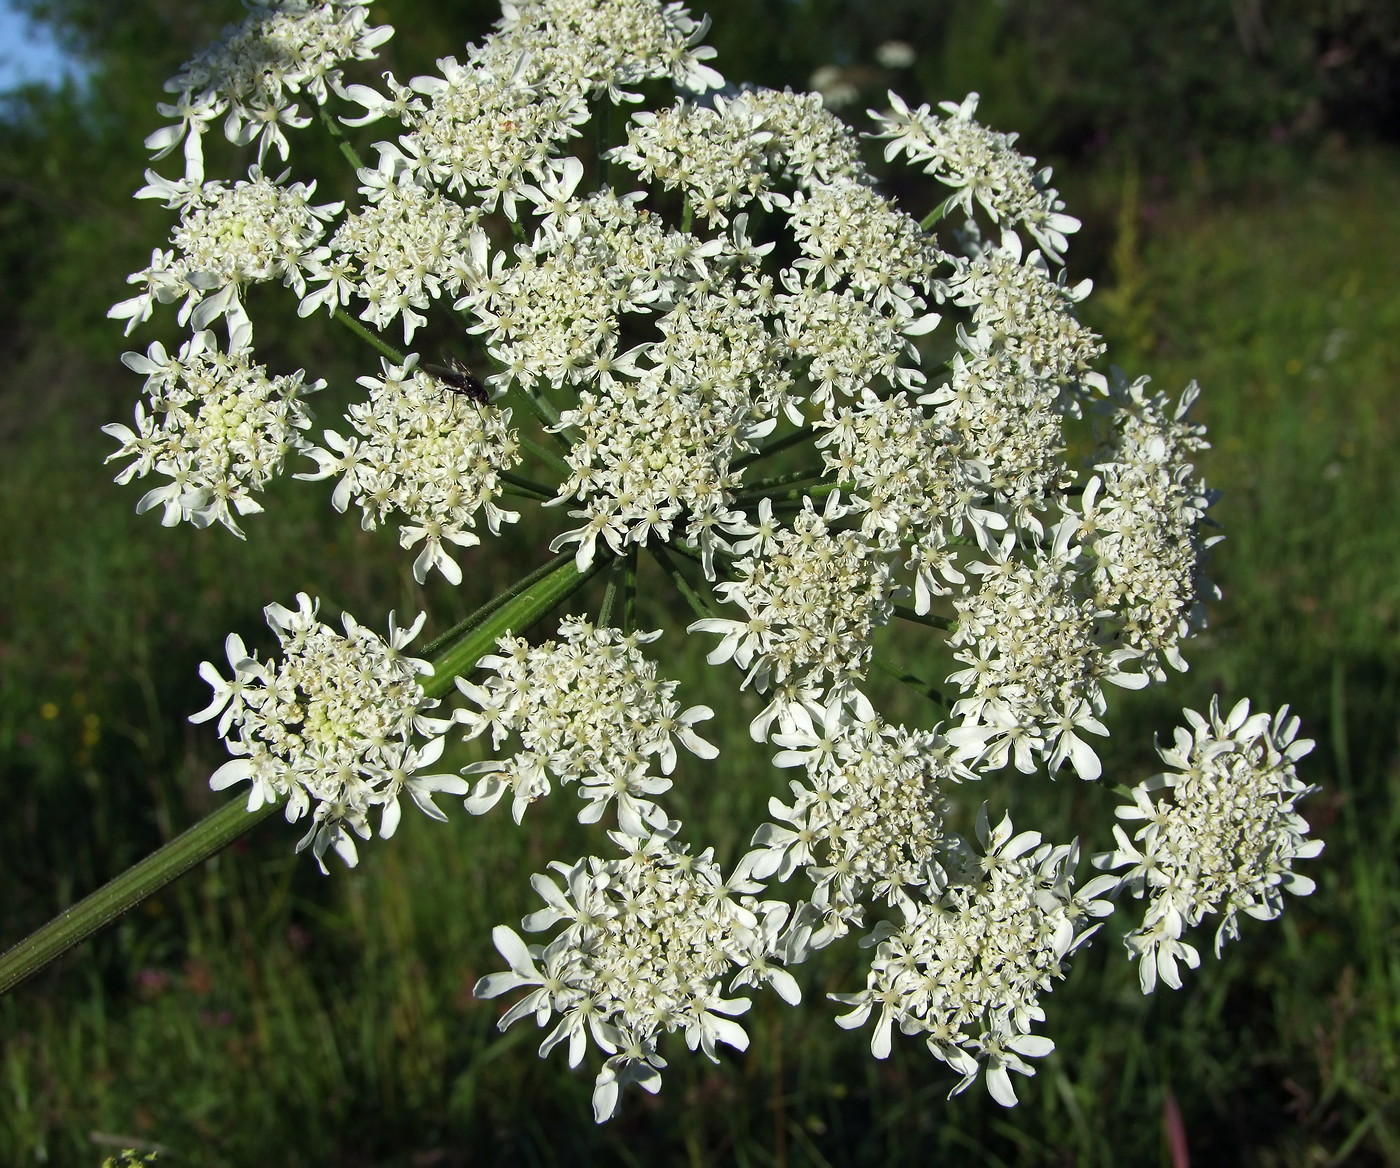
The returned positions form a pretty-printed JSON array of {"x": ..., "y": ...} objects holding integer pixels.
[
  {"x": 253, "y": 75},
  {"x": 980, "y": 164}
]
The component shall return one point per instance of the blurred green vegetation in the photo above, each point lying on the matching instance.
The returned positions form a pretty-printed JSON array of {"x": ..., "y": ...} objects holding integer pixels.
[{"x": 1240, "y": 221}]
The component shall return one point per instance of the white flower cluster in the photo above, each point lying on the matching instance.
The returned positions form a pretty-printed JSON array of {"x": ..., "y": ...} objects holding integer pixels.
[
  {"x": 1025, "y": 365},
  {"x": 588, "y": 708},
  {"x": 1142, "y": 514},
  {"x": 761, "y": 299},
  {"x": 852, "y": 236},
  {"x": 427, "y": 453},
  {"x": 596, "y": 47},
  {"x": 812, "y": 596},
  {"x": 867, "y": 822},
  {"x": 217, "y": 426},
  {"x": 979, "y": 163},
  {"x": 404, "y": 249},
  {"x": 915, "y": 488},
  {"x": 730, "y": 154},
  {"x": 554, "y": 317},
  {"x": 228, "y": 237},
  {"x": 1219, "y": 834},
  {"x": 662, "y": 451},
  {"x": 333, "y": 723},
  {"x": 251, "y": 74},
  {"x": 1037, "y": 652},
  {"x": 967, "y": 964},
  {"x": 648, "y": 941},
  {"x": 845, "y": 346}
]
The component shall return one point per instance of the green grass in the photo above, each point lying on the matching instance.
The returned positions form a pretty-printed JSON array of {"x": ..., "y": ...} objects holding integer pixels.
[{"x": 256, "y": 1013}]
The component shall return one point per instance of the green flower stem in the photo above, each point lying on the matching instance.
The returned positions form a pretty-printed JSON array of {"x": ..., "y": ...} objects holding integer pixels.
[
  {"x": 755, "y": 491},
  {"x": 914, "y": 682},
  {"x": 338, "y": 135},
  {"x": 75, "y": 925},
  {"x": 773, "y": 448},
  {"x": 793, "y": 500},
  {"x": 692, "y": 598},
  {"x": 904, "y": 612},
  {"x": 548, "y": 418},
  {"x": 621, "y": 594},
  {"x": 373, "y": 338},
  {"x": 520, "y": 608},
  {"x": 629, "y": 592},
  {"x": 602, "y": 120},
  {"x": 468, "y": 623},
  {"x": 939, "y": 211},
  {"x": 524, "y": 486},
  {"x": 545, "y": 455},
  {"x": 525, "y": 604}
]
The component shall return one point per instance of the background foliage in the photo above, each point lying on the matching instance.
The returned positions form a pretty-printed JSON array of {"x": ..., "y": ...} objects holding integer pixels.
[{"x": 1235, "y": 166}]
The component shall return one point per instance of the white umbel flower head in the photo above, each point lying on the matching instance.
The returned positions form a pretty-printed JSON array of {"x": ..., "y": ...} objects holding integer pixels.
[
  {"x": 970, "y": 958},
  {"x": 432, "y": 456},
  {"x": 253, "y": 74},
  {"x": 589, "y": 709},
  {"x": 980, "y": 164},
  {"x": 1219, "y": 835},
  {"x": 213, "y": 423},
  {"x": 648, "y": 942},
  {"x": 867, "y": 819},
  {"x": 228, "y": 238},
  {"x": 330, "y": 727}
]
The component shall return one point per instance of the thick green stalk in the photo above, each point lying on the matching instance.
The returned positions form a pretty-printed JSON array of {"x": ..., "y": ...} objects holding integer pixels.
[
  {"x": 525, "y": 604},
  {"x": 528, "y": 604},
  {"x": 74, "y": 925}
]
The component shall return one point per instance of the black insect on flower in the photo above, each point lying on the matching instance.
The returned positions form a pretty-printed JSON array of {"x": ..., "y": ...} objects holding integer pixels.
[{"x": 459, "y": 379}]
